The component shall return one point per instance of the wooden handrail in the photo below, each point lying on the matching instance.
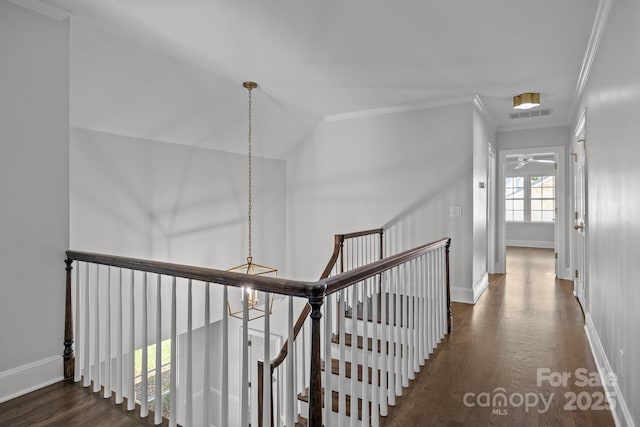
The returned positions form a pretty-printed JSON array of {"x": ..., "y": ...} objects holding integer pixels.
[
  {"x": 261, "y": 283},
  {"x": 348, "y": 278}
]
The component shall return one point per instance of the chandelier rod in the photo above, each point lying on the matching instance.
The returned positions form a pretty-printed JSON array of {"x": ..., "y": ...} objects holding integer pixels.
[{"x": 250, "y": 86}]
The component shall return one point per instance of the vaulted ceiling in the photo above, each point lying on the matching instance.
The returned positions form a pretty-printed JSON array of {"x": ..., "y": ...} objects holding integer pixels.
[{"x": 180, "y": 79}]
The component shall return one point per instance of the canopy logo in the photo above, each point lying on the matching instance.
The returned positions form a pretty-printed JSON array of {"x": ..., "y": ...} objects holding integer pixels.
[{"x": 500, "y": 401}]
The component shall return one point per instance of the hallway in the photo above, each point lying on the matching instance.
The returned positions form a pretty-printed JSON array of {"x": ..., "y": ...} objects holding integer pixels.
[{"x": 526, "y": 320}]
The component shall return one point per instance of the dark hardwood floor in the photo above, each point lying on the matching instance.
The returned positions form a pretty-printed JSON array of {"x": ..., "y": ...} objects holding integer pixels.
[
  {"x": 526, "y": 320},
  {"x": 69, "y": 404}
]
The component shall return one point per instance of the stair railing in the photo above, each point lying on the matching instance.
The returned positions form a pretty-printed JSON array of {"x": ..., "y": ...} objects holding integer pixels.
[
  {"x": 350, "y": 250},
  {"x": 404, "y": 312},
  {"x": 111, "y": 299}
]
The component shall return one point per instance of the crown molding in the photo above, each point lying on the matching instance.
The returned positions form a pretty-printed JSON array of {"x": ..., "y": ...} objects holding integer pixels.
[
  {"x": 45, "y": 8},
  {"x": 604, "y": 6},
  {"x": 396, "y": 109},
  {"x": 477, "y": 101}
]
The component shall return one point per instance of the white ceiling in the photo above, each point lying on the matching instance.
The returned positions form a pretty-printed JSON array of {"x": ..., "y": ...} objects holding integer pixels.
[{"x": 181, "y": 80}]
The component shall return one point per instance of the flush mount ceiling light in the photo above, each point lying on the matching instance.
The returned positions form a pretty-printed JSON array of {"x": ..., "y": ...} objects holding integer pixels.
[{"x": 524, "y": 101}]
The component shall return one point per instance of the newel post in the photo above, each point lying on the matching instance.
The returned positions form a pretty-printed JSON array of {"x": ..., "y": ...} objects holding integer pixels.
[
  {"x": 68, "y": 356},
  {"x": 315, "y": 387},
  {"x": 449, "y": 314}
]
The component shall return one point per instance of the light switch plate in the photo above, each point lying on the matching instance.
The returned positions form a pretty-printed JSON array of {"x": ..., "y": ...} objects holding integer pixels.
[{"x": 455, "y": 211}]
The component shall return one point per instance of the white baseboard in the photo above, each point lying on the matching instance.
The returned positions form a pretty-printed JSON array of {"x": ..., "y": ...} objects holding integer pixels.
[
  {"x": 470, "y": 296},
  {"x": 530, "y": 244},
  {"x": 464, "y": 295},
  {"x": 32, "y": 376},
  {"x": 565, "y": 274},
  {"x": 620, "y": 410},
  {"x": 480, "y": 287}
]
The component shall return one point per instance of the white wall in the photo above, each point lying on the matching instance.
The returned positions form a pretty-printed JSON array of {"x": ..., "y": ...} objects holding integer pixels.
[
  {"x": 533, "y": 235},
  {"x": 170, "y": 202},
  {"x": 401, "y": 170},
  {"x": 612, "y": 102},
  {"x": 34, "y": 187},
  {"x": 532, "y": 138}
]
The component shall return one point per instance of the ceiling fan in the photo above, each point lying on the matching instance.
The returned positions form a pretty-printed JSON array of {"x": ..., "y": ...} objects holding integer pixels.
[{"x": 523, "y": 161}]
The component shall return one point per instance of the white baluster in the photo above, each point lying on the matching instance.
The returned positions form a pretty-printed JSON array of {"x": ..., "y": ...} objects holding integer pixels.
[
  {"x": 224, "y": 412},
  {"x": 409, "y": 325},
  {"x": 144, "y": 395},
  {"x": 385, "y": 324},
  {"x": 266, "y": 383},
  {"x": 290, "y": 392},
  {"x": 403, "y": 282},
  {"x": 342, "y": 400},
  {"x": 96, "y": 334},
  {"x": 433, "y": 303},
  {"x": 77, "y": 372},
  {"x": 173, "y": 415},
  {"x": 304, "y": 357},
  {"x": 365, "y": 352},
  {"x": 131, "y": 398},
  {"x": 375, "y": 401},
  {"x": 278, "y": 422},
  {"x": 398, "y": 332},
  {"x": 421, "y": 292},
  {"x": 392, "y": 340},
  {"x": 158, "y": 384},
  {"x": 189, "y": 379},
  {"x": 443, "y": 296},
  {"x": 328, "y": 388},
  {"x": 107, "y": 332},
  {"x": 427, "y": 302},
  {"x": 206, "y": 387},
  {"x": 415, "y": 308},
  {"x": 296, "y": 379},
  {"x": 353, "y": 413},
  {"x": 438, "y": 297},
  {"x": 120, "y": 380}
]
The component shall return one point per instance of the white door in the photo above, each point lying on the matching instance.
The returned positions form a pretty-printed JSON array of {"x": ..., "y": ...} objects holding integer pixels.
[{"x": 580, "y": 216}]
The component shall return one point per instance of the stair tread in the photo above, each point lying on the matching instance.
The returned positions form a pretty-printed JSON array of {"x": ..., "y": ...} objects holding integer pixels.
[
  {"x": 389, "y": 301},
  {"x": 304, "y": 397},
  {"x": 348, "y": 340},
  {"x": 335, "y": 369}
]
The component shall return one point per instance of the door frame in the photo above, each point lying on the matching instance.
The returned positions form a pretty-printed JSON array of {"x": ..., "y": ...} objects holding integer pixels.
[
  {"x": 580, "y": 133},
  {"x": 560, "y": 227},
  {"x": 492, "y": 168}
]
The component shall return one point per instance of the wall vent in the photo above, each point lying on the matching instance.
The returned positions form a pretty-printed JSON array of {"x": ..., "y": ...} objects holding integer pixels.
[{"x": 531, "y": 113}]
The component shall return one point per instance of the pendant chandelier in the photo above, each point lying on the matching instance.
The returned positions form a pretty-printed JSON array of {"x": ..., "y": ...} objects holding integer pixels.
[{"x": 254, "y": 299}]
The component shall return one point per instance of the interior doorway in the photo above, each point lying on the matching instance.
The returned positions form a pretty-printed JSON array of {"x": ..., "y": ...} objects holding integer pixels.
[
  {"x": 256, "y": 353},
  {"x": 532, "y": 203}
]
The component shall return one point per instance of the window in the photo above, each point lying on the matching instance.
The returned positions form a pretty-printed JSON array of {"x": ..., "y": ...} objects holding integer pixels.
[
  {"x": 514, "y": 198},
  {"x": 530, "y": 198},
  {"x": 152, "y": 374},
  {"x": 543, "y": 198}
]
